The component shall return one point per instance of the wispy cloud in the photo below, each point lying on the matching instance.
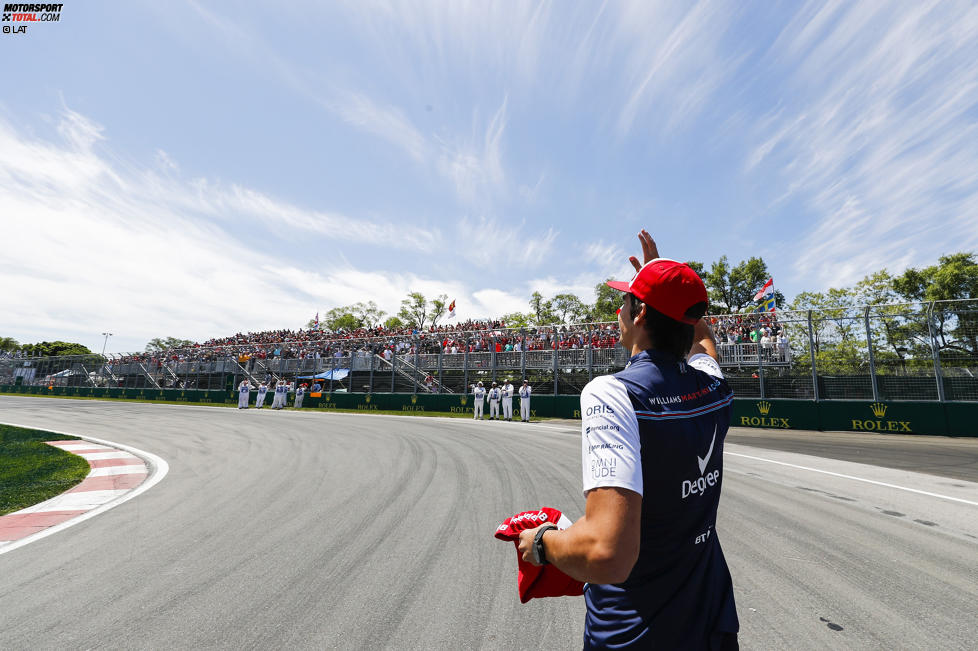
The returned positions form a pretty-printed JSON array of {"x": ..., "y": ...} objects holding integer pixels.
[
  {"x": 674, "y": 64},
  {"x": 877, "y": 134},
  {"x": 95, "y": 243},
  {"x": 471, "y": 162},
  {"x": 475, "y": 164},
  {"x": 495, "y": 244},
  {"x": 387, "y": 122},
  {"x": 607, "y": 257}
]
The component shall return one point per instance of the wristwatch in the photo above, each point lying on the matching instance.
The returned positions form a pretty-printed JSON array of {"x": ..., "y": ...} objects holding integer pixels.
[{"x": 539, "y": 554}]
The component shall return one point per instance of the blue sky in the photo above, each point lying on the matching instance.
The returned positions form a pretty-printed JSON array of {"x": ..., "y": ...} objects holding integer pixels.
[{"x": 194, "y": 169}]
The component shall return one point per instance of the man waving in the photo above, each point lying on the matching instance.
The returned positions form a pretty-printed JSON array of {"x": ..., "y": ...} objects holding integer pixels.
[{"x": 652, "y": 450}]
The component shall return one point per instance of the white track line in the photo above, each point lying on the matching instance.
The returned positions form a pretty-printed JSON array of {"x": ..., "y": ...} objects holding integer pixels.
[
  {"x": 862, "y": 479},
  {"x": 157, "y": 466}
]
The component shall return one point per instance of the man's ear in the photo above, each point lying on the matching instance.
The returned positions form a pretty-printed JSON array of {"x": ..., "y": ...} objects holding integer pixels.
[{"x": 639, "y": 317}]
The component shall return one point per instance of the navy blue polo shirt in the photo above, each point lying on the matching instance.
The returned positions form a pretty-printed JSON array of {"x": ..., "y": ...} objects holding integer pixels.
[{"x": 657, "y": 428}]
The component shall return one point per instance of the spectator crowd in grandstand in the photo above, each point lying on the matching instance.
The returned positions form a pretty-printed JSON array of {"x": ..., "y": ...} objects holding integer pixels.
[
  {"x": 763, "y": 329},
  {"x": 471, "y": 336},
  {"x": 454, "y": 339}
]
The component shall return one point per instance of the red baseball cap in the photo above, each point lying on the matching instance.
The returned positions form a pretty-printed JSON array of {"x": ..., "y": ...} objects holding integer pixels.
[{"x": 670, "y": 287}]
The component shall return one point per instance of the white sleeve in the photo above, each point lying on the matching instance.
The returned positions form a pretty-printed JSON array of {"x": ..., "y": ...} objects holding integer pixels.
[
  {"x": 610, "y": 445},
  {"x": 705, "y": 363}
]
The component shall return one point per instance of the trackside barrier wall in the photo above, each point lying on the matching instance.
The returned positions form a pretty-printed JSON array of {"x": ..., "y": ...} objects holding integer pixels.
[
  {"x": 881, "y": 417},
  {"x": 896, "y": 417}
]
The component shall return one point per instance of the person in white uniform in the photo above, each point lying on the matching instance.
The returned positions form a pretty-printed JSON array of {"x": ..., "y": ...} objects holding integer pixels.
[
  {"x": 260, "y": 400},
  {"x": 508, "y": 400},
  {"x": 300, "y": 394},
  {"x": 244, "y": 391},
  {"x": 281, "y": 395},
  {"x": 479, "y": 400},
  {"x": 494, "y": 395},
  {"x": 525, "y": 392}
]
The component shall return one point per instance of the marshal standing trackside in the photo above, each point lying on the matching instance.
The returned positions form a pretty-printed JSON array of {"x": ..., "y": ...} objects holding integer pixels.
[{"x": 652, "y": 453}]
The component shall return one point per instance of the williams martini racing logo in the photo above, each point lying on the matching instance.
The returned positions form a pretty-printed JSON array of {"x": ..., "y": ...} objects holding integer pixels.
[
  {"x": 23, "y": 14},
  {"x": 764, "y": 420},
  {"x": 878, "y": 424}
]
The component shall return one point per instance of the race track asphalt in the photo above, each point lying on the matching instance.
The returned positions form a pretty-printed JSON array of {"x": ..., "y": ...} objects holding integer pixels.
[{"x": 347, "y": 531}]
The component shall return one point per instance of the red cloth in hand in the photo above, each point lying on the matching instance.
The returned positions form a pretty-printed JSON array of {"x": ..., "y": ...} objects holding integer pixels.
[{"x": 538, "y": 581}]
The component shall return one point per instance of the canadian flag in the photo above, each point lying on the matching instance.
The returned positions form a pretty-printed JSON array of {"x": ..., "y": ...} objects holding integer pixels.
[
  {"x": 767, "y": 289},
  {"x": 451, "y": 310}
]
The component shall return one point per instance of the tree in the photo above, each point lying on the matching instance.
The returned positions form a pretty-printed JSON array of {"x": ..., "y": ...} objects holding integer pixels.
[
  {"x": 568, "y": 308},
  {"x": 835, "y": 321},
  {"x": 439, "y": 306},
  {"x": 368, "y": 313},
  {"x": 733, "y": 289},
  {"x": 518, "y": 319},
  {"x": 9, "y": 344},
  {"x": 393, "y": 323},
  {"x": 608, "y": 301},
  {"x": 342, "y": 318},
  {"x": 954, "y": 278},
  {"x": 717, "y": 285},
  {"x": 417, "y": 311},
  {"x": 351, "y": 317},
  {"x": 541, "y": 309},
  {"x": 157, "y": 344},
  {"x": 55, "y": 348}
]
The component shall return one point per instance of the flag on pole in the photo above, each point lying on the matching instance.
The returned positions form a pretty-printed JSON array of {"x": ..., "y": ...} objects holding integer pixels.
[
  {"x": 767, "y": 305},
  {"x": 316, "y": 322},
  {"x": 767, "y": 289},
  {"x": 451, "y": 310}
]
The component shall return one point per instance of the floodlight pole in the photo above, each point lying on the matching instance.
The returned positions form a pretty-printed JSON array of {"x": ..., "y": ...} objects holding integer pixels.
[{"x": 106, "y": 342}]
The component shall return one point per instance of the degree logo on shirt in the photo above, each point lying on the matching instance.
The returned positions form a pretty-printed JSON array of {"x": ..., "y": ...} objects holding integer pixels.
[{"x": 709, "y": 480}]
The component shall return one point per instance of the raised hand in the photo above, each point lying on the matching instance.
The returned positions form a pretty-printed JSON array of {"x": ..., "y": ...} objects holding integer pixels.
[{"x": 649, "y": 250}]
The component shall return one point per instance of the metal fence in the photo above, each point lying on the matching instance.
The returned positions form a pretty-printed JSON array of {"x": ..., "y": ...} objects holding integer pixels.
[{"x": 885, "y": 352}]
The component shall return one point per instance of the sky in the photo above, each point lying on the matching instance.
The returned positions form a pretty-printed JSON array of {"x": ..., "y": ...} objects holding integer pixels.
[{"x": 196, "y": 169}]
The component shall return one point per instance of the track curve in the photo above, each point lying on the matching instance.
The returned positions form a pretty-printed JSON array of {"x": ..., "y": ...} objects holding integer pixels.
[{"x": 313, "y": 530}]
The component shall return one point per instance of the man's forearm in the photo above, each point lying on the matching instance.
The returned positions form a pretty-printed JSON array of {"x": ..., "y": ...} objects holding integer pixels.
[
  {"x": 703, "y": 339},
  {"x": 577, "y": 553},
  {"x": 601, "y": 547}
]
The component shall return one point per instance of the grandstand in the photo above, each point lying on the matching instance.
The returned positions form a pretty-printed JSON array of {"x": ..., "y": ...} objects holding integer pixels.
[{"x": 888, "y": 352}]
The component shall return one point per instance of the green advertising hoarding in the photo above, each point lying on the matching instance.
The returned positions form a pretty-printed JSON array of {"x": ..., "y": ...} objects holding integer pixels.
[
  {"x": 775, "y": 414},
  {"x": 887, "y": 417},
  {"x": 884, "y": 417}
]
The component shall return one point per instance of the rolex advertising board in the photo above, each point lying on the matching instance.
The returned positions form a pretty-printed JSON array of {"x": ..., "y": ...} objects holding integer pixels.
[
  {"x": 884, "y": 417},
  {"x": 775, "y": 414}
]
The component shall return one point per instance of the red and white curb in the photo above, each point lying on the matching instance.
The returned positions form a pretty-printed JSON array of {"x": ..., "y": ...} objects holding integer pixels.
[{"x": 118, "y": 474}]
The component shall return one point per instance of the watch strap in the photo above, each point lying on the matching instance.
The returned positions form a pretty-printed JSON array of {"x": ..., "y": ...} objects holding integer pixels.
[{"x": 539, "y": 553}]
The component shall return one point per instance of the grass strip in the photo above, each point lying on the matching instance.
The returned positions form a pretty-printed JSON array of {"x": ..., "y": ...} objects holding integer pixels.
[{"x": 32, "y": 471}]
